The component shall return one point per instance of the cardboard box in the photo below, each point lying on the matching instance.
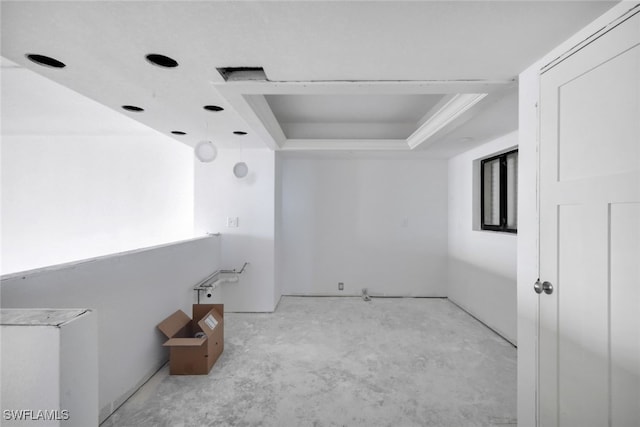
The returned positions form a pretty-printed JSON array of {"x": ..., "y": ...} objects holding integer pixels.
[{"x": 189, "y": 355}]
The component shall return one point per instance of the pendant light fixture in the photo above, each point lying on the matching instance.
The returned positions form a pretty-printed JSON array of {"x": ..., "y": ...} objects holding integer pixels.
[
  {"x": 205, "y": 151},
  {"x": 240, "y": 170}
]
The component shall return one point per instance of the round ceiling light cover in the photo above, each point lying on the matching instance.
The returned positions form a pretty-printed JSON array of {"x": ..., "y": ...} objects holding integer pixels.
[
  {"x": 205, "y": 151},
  {"x": 240, "y": 170}
]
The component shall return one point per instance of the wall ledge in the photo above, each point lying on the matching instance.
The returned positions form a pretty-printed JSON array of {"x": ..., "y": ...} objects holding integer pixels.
[{"x": 71, "y": 264}]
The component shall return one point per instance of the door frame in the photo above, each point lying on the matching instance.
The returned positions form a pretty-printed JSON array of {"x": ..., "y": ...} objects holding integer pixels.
[{"x": 529, "y": 206}]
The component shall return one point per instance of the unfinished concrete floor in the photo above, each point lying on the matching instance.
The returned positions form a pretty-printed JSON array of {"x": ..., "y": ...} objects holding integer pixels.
[{"x": 342, "y": 362}]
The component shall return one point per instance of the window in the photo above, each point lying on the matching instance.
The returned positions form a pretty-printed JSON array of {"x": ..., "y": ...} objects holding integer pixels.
[{"x": 499, "y": 192}]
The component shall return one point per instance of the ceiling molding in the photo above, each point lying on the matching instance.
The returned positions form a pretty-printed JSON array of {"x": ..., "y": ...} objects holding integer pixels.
[
  {"x": 345, "y": 144},
  {"x": 445, "y": 115},
  {"x": 363, "y": 87},
  {"x": 248, "y": 99},
  {"x": 261, "y": 112}
]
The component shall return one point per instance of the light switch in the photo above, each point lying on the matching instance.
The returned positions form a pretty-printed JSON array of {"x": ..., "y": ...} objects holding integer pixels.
[{"x": 232, "y": 222}]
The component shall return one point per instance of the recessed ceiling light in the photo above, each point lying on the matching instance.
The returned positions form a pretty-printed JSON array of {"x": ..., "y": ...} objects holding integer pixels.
[
  {"x": 133, "y": 108},
  {"x": 161, "y": 60},
  {"x": 178, "y": 132},
  {"x": 213, "y": 108},
  {"x": 239, "y": 132},
  {"x": 46, "y": 61}
]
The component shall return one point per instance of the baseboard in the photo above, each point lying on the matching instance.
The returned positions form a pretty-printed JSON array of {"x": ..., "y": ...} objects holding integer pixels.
[
  {"x": 108, "y": 410},
  {"x": 358, "y": 295},
  {"x": 494, "y": 330}
]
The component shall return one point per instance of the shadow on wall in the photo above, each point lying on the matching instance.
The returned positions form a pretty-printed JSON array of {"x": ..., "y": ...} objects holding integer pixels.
[
  {"x": 255, "y": 291},
  {"x": 489, "y": 296}
]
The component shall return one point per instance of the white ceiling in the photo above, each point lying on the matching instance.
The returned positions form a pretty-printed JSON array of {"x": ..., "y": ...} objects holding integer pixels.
[
  {"x": 351, "y": 108},
  {"x": 34, "y": 105},
  {"x": 428, "y": 43},
  {"x": 350, "y": 116}
]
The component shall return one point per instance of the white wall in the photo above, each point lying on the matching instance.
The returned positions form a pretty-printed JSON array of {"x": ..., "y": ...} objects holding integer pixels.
[
  {"x": 50, "y": 362},
  {"x": 528, "y": 217},
  {"x": 131, "y": 293},
  {"x": 376, "y": 223},
  {"x": 67, "y": 198},
  {"x": 80, "y": 180},
  {"x": 279, "y": 228},
  {"x": 219, "y": 195},
  {"x": 482, "y": 264}
]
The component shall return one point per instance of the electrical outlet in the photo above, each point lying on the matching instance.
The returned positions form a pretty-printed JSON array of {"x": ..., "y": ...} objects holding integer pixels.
[
  {"x": 232, "y": 222},
  {"x": 340, "y": 286}
]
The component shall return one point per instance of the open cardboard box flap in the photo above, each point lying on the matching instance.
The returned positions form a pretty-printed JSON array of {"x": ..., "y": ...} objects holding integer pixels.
[
  {"x": 172, "y": 324},
  {"x": 209, "y": 322},
  {"x": 185, "y": 342}
]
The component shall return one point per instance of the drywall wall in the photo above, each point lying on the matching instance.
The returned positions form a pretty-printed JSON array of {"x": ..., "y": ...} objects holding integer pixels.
[
  {"x": 131, "y": 292},
  {"x": 279, "y": 226},
  {"x": 80, "y": 180},
  {"x": 370, "y": 222},
  {"x": 49, "y": 363},
  {"x": 482, "y": 264},
  {"x": 219, "y": 195},
  {"x": 67, "y": 198},
  {"x": 31, "y": 376}
]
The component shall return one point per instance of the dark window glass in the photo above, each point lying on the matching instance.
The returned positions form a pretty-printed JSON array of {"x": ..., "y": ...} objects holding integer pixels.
[{"x": 499, "y": 192}]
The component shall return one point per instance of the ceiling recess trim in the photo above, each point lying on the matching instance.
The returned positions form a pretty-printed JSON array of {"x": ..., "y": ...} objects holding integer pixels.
[
  {"x": 248, "y": 99},
  {"x": 345, "y": 144},
  {"x": 445, "y": 115}
]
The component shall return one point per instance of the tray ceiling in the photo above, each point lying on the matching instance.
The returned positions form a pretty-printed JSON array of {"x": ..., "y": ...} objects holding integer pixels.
[{"x": 339, "y": 75}]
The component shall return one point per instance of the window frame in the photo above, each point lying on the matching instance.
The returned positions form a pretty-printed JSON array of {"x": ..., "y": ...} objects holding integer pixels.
[{"x": 503, "y": 194}]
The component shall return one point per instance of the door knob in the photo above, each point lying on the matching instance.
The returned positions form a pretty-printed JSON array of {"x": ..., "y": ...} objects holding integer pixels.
[
  {"x": 545, "y": 287},
  {"x": 537, "y": 287}
]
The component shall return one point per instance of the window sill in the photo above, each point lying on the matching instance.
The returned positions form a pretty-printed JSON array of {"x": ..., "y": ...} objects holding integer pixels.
[{"x": 504, "y": 233}]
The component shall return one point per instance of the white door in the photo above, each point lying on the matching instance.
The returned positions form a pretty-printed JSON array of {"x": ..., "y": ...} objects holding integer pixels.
[{"x": 589, "y": 322}]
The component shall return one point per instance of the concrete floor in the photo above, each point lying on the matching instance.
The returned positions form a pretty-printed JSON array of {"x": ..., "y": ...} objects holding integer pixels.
[{"x": 342, "y": 362}]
